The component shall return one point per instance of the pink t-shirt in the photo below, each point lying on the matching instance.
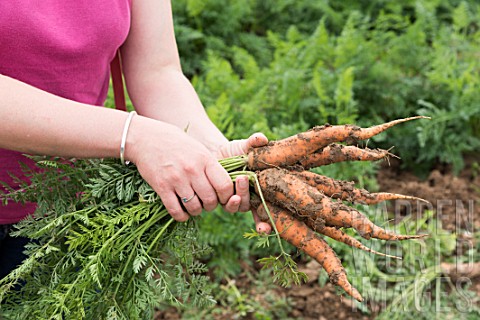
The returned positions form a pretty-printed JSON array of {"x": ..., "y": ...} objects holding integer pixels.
[{"x": 63, "y": 47}]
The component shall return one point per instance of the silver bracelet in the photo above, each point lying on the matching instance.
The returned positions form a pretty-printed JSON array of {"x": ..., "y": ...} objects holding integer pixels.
[{"x": 124, "y": 137}]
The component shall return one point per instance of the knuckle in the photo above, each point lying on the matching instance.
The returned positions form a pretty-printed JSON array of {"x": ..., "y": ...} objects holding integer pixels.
[
  {"x": 195, "y": 211},
  {"x": 209, "y": 208},
  {"x": 190, "y": 169},
  {"x": 210, "y": 200},
  {"x": 210, "y": 203},
  {"x": 174, "y": 178},
  {"x": 161, "y": 185},
  {"x": 224, "y": 187}
]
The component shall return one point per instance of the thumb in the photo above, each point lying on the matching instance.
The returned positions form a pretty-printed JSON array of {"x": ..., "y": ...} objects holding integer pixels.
[
  {"x": 239, "y": 147},
  {"x": 256, "y": 140}
]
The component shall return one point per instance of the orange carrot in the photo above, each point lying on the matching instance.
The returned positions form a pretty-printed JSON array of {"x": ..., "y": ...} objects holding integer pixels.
[
  {"x": 339, "y": 235},
  {"x": 292, "y": 193},
  {"x": 345, "y": 190},
  {"x": 334, "y": 153},
  {"x": 298, "y": 234},
  {"x": 288, "y": 151}
]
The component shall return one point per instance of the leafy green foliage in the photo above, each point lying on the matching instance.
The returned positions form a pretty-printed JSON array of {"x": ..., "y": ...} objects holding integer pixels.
[
  {"x": 110, "y": 251},
  {"x": 224, "y": 234},
  {"x": 307, "y": 63},
  {"x": 293, "y": 94}
]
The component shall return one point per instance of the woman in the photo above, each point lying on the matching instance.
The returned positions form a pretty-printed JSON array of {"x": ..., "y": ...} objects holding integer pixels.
[{"x": 54, "y": 65}]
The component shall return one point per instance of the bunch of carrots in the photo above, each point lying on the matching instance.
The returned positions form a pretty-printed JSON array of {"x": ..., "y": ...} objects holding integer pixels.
[
  {"x": 303, "y": 206},
  {"x": 118, "y": 216}
]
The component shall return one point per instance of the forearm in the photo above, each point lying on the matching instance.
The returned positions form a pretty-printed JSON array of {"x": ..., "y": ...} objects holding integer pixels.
[
  {"x": 167, "y": 95},
  {"x": 36, "y": 122}
]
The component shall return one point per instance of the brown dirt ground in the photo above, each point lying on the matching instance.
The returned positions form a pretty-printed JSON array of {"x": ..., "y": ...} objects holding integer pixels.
[{"x": 455, "y": 199}]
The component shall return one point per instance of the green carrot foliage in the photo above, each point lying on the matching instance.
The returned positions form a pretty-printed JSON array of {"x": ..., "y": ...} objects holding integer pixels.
[{"x": 104, "y": 247}]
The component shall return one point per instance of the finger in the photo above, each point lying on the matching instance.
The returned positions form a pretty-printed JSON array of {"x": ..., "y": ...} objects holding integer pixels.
[
  {"x": 263, "y": 227},
  {"x": 234, "y": 148},
  {"x": 233, "y": 204},
  {"x": 256, "y": 140},
  {"x": 242, "y": 190},
  {"x": 171, "y": 203},
  {"x": 220, "y": 181},
  {"x": 194, "y": 206},
  {"x": 238, "y": 147},
  {"x": 207, "y": 195},
  {"x": 260, "y": 226},
  {"x": 191, "y": 203}
]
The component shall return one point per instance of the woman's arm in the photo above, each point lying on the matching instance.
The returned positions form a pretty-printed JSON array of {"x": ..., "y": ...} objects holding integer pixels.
[
  {"x": 154, "y": 78},
  {"x": 34, "y": 121},
  {"x": 37, "y": 122}
]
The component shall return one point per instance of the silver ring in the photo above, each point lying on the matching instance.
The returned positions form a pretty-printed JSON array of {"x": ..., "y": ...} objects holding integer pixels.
[{"x": 185, "y": 199}]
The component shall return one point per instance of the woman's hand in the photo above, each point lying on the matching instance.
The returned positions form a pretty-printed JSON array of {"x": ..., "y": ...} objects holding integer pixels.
[
  {"x": 178, "y": 168},
  {"x": 241, "y": 200}
]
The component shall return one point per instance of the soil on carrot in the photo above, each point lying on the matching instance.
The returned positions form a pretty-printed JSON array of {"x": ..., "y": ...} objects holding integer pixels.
[{"x": 456, "y": 201}]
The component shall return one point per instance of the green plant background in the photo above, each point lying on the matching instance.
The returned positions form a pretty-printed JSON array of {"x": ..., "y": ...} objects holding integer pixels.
[{"x": 283, "y": 66}]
